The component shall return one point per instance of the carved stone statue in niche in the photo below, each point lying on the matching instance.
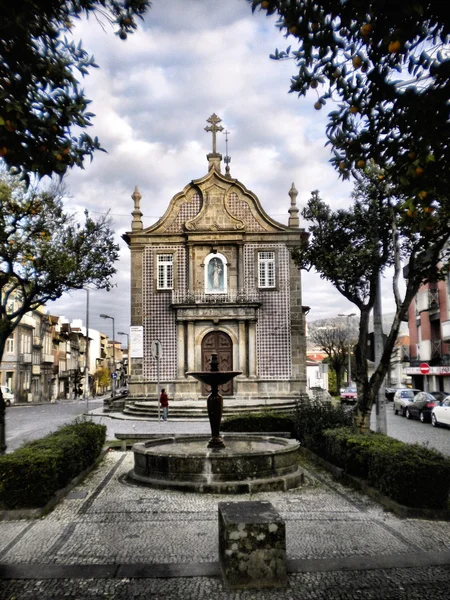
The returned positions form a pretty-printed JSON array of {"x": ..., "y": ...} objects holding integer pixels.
[{"x": 215, "y": 275}]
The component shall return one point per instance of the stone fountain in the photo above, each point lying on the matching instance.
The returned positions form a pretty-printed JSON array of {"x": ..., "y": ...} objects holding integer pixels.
[{"x": 237, "y": 463}]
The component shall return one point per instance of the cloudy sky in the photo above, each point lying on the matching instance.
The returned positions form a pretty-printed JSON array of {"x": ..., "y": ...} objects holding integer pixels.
[{"x": 152, "y": 95}]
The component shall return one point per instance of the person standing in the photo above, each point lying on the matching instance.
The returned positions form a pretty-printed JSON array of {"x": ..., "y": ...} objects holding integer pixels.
[{"x": 164, "y": 403}]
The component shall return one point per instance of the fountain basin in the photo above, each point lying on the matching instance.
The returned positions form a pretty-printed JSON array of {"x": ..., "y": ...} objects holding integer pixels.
[{"x": 247, "y": 464}]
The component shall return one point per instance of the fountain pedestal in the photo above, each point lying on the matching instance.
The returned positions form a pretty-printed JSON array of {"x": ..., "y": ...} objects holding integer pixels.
[{"x": 214, "y": 378}]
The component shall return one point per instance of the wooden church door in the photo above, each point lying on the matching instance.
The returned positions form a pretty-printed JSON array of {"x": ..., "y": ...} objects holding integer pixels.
[{"x": 220, "y": 343}]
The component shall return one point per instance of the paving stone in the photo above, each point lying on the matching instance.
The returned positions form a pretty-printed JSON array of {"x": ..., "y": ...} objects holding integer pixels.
[{"x": 119, "y": 524}]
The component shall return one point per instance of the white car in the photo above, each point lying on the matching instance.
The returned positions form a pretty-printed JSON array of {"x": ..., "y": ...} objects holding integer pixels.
[
  {"x": 440, "y": 415},
  {"x": 8, "y": 396}
]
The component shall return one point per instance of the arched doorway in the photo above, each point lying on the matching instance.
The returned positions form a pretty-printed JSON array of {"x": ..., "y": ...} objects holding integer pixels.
[{"x": 220, "y": 343}]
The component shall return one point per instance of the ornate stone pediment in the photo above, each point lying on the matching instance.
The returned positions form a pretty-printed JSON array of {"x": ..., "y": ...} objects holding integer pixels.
[{"x": 214, "y": 215}]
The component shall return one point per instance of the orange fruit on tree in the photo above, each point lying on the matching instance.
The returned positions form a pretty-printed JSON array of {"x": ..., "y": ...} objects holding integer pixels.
[
  {"x": 314, "y": 84},
  {"x": 354, "y": 110},
  {"x": 3, "y": 151},
  {"x": 366, "y": 29},
  {"x": 361, "y": 163},
  {"x": 423, "y": 194},
  {"x": 357, "y": 61},
  {"x": 265, "y": 5},
  {"x": 419, "y": 171},
  {"x": 293, "y": 29},
  {"x": 318, "y": 105},
  {"x": 395, "y": 46}
]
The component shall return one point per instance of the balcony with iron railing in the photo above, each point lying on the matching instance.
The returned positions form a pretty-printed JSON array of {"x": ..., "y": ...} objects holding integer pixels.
[
  {"x": 429, "y": 349},
  {"x": 202, "y": 297},
  {"x": 427, "y": 300},
  {"x": 436, "y": 348}
]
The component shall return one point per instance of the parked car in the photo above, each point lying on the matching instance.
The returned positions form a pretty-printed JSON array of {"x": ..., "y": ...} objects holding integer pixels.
[
  {"x": 403, "y": 397},
  {"x": 8, "y": 396},
  {"x": 421, "y": 407},
  {"x": 440, "y": 414},
  {"x": 349, "y": 395}
]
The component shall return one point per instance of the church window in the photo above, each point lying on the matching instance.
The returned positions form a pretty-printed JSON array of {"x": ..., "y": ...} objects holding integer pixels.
[
  {"x": 266, "y": 269},
  {"x": 165, "y": 271}
]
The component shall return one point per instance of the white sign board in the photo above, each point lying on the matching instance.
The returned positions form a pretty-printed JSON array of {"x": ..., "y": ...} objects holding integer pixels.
[{"x": 136, "y": 341}]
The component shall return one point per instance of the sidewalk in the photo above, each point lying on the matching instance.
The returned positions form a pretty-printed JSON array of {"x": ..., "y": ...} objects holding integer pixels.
[{"x": 111, "y": 539}]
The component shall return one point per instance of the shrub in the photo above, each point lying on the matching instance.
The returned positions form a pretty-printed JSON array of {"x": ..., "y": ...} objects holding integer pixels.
[
  {"x": 408, "y": 473},
  {"x": 313, "y": 417},
  {"x": 31, "y": 475},
  {"x": 264, "y": 421}
]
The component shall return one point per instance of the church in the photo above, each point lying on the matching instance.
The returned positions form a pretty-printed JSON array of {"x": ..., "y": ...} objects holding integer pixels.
[{"x": 215, "y": 274}]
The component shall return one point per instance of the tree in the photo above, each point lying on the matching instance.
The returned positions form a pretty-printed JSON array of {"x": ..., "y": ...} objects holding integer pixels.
[
  {"x": 43, "y": 110},
  {"x": 102, "y": 378},
  {"x": 353, "y": 247},
  {"x": 334, "y": 339},
  {"x": 388, "y": 67},
  {"x": 45, "y": 252}
]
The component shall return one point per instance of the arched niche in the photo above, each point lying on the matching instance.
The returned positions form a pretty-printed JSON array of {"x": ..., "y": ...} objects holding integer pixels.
[{"x": 216, "y": 274}]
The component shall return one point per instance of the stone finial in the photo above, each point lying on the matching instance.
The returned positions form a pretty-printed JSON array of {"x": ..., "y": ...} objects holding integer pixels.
[
  {"x": 293, "y": 210},
  {"x": 136, "y": 223}
]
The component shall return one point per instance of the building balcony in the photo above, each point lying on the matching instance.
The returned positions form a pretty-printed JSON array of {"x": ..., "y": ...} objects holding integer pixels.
[
  {"x": 428, "y": 350},
  {"x": 446, "y": 331},
  {"x": 25, "y": 357},
  {"x": 427, "y": 300},
  {"x": 48, "y": 358},
  {"x": 202, "y": 297},
  {"x": 36, "y": 369},
  {"x": 28, "y": 321}
]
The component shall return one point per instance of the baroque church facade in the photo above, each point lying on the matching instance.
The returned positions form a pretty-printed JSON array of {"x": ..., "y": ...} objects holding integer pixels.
[{"x": 215, "y": 274}]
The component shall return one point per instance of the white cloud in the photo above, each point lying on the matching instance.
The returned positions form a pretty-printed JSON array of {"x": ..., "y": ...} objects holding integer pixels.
[{"x": 152, "y": 95}]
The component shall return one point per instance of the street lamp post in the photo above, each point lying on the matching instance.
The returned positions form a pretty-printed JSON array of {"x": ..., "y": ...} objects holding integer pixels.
[
  {"x": 86, "y": 366},
  {"x": 128, "y": 349},
  {"x": 114, "y": 355},
  {"x": 349, "y": 373}
]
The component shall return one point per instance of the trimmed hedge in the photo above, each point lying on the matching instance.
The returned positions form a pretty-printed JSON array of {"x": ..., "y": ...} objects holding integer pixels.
[
  {"x": 266, "y": 421},
  {"x": 410, "y": 474},
  {"x": 30, "y": 476},
  {"x": 312, "y": 417}
]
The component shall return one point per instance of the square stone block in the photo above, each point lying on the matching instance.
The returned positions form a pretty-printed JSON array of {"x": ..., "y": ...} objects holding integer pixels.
[{"x": 252, "y": 545}]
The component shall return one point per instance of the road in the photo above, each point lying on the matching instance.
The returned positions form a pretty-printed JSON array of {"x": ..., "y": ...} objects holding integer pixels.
[
  {"x": 34, "y": 421},
  {"x": 25, "y": 423}
]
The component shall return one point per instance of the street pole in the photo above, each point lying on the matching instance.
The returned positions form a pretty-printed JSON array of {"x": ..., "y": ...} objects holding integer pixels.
[
  {"x": 114, "y": 362},
  {"x": 381, "y": 420},
  {"x": 86, "y": 367},
  {"x": 113, "y": 385},
  {"x": 349, "y": 368}
]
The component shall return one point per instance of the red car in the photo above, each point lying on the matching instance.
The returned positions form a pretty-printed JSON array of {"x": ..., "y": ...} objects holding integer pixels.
[{"x": 349, "y": 395}]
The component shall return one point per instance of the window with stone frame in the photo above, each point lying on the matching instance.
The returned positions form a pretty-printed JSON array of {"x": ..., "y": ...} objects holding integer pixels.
[
  {"x": 10, "y": 345},
  {"x": 165, "y": 271},
  {"x": 266, "y": 270}
]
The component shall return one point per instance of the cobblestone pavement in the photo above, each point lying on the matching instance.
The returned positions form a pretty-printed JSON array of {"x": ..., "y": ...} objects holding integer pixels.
[{"x": 112, "y": 539}]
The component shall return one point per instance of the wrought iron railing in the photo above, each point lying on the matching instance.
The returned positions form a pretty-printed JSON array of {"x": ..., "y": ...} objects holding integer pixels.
[{"x": 202, "y": 297}]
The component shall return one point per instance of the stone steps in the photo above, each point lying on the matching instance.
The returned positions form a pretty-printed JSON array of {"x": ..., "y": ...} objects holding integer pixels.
[{"x": 197, "y": 410}]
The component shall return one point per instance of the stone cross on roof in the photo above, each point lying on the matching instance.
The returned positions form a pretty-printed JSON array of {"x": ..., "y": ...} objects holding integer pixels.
[{"x": 214, "y": 128}]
